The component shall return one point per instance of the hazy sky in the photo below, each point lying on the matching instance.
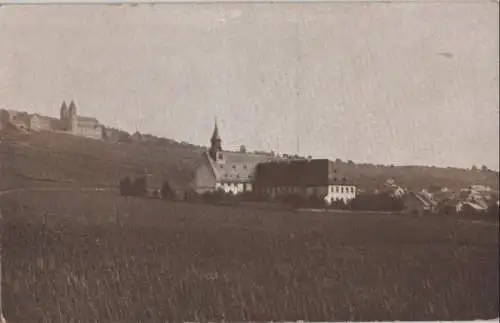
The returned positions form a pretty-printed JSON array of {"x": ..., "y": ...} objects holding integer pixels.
[{"x": 402, "y": 83}]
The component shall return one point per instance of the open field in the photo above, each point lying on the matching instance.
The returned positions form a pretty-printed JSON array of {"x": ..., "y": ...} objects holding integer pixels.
[{"x": 94, "y": 256}]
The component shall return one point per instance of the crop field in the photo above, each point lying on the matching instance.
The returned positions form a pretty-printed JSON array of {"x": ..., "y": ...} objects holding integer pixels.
[{"x": 96, "y": 257}]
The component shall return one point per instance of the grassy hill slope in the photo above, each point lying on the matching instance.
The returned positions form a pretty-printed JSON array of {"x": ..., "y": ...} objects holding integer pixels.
[
  {"x": 417, "y": 177},
  {"x": 42, "y": 159},
  {"x": 45, "y": 159}
]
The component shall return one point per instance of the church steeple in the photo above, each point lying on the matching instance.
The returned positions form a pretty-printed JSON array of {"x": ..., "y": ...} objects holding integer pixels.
[
  {"x": 215, "y": 136},
  {"x": 215, "y": 151}
]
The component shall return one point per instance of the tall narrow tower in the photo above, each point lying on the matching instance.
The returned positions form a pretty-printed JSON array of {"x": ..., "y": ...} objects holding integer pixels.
[
  {"x": 72, "y": 116},
  {"x": 215, "y": 151}
]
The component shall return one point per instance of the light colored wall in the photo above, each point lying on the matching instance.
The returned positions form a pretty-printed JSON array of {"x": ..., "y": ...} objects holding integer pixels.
[
  {"x": 234, "y": 188},
  {"x": 37, "y": 123},
  {"x": 340, "y": 192},
  {"x": 89, "y": 132}
]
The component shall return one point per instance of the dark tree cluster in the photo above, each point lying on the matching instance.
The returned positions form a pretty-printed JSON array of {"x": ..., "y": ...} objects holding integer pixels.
[
  {"x": 492, "y": 212},
  {"x": 137, "y": 187},
  {"x": 221, "y": 197},
  {"x": 167, "y": 193},
  {"x": 301, "y": 201},
  {"x": 376, "y": 202}
]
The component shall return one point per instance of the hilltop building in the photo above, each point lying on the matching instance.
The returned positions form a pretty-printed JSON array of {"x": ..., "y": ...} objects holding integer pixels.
[{"x": 69, "y": 122}]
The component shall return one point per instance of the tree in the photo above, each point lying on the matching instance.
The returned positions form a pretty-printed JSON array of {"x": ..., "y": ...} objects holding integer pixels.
[
  {"x": 125, "y": 186},
  {"x": 484, "y": 168},
  {"x": 124, "y": 137},
  {"x": 139, "y": 187},
  {"x": 350, "y": 162},
  {"x": 338, "y": 205},
  {"x": 166, "y": 191},
  {"x": 243, "y": 149},
  {"x": 474, "y": 168}
]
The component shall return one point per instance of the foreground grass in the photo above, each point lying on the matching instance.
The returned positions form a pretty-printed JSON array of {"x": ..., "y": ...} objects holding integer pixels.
[{"x": 96, "y": 257}]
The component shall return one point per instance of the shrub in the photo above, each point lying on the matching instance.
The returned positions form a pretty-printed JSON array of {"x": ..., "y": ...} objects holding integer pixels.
[
  {"x": 248, "y": 197},
  {"x": 446, "y": 209},
  {"x": 215, "y": 197},
  {"x": 316, "y": 202},
  {"x": 376, "y": 202},
  {"x": 166, "y": 191},
  {"x": 191, "y": 195},
  {"x": 139, "y": 187},
  {"x": 293, "y": 200},
  {"x": 338, "y": 205},
  {"x": 125, "y": 186}
]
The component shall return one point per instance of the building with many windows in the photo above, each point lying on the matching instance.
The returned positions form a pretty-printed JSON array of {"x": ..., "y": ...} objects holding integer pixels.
[
  {"x": 306, "y": 177},
  {"x": 236, "y": 173}
]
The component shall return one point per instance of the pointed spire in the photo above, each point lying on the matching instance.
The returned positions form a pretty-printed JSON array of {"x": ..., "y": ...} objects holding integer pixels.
[{"x": 215, "y": 135}]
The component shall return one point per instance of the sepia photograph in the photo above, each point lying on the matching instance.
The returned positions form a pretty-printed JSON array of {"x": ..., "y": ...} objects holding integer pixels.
[{"x": 249, "y": 161}]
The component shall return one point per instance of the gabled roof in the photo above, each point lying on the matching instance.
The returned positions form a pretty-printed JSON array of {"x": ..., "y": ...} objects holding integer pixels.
[
  {"x": 301, "y": 172},
  {"x": 475, "y": 206},
  {"x": 425, "y": 199},
  {"x": 237, "y": 167},
  {"x": 41, "y": 117},
  {"x": 87, "y": 119}
]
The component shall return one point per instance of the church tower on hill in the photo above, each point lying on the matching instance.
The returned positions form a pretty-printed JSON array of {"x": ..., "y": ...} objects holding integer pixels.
[{"x": 215, "y": 151}]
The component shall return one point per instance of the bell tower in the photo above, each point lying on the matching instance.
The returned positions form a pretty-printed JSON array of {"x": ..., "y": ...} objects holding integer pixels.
[{"x": 215, "y": 151}]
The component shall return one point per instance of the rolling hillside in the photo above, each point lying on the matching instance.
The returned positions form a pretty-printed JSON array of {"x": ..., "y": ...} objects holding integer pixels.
[{"x": 44, "y": 159}]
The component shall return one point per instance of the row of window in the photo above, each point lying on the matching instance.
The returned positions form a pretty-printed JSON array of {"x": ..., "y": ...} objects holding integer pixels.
[
  {"x": 243, "y": 186},
  {"x": 342, "y": 189},
  {"x": 233, "y": 166},
  {"x": 333, "y": 189}
]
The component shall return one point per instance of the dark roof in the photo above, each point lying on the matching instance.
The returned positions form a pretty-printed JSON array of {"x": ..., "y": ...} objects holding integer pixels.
[
  {"x": 303, "y": 172},
  {"x": 215, "y": 135}
]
